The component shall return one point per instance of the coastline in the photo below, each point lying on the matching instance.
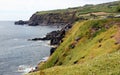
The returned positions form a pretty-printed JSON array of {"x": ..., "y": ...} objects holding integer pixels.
[
  {"x": 44, "y": 59},
  {"x": 25, "y": 69},
  {"x": 34, "y": 69},
  {"x": 95, "y": 23},
  {"x": 54, "y": 39},
  {"x": 17, "y": 51}
]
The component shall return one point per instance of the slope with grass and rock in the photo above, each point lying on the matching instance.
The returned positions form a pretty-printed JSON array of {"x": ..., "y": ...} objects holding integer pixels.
[{"x": 90, "y": 47}]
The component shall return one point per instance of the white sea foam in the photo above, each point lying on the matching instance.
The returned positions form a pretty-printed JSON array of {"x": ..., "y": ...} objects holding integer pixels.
[
  {"x": 25, "y": 69},
  {"x": 47, "y": 44},
  {"x": 44, "y": 59}
]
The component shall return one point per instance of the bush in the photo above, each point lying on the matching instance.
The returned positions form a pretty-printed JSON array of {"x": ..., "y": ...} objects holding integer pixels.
[{"x": 118, "y": 9}]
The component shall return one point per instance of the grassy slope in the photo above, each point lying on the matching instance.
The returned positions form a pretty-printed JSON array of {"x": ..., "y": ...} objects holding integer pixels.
[
  {"x": 96, "y": 51},
  {"x": 107, "y": 64}
]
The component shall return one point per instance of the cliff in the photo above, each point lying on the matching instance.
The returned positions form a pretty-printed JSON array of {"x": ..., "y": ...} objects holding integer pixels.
[
  {"x": 89, "y": 47},
  {"x": 68, "y": 16},
  {"x": 52, "y": 18}
]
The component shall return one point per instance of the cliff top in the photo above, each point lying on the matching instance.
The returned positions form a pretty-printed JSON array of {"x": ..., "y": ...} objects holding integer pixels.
[{"x": 106, "y": 7}]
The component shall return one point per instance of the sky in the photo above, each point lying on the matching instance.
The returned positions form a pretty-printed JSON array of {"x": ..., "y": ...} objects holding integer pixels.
[{"x": 12, "y": 10}]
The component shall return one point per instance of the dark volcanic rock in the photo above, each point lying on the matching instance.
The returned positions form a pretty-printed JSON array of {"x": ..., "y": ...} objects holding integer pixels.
[
  {"x": 55, "y": 37},
  {"x": 52, "y": 50},
  {"x": 52, "y": 18},
  {"x": 36, "y": 39},
  {"x": 21, "y": 22}
]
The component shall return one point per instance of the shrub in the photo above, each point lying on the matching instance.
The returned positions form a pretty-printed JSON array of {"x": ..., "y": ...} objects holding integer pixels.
[{"x": 118, "y": 9}]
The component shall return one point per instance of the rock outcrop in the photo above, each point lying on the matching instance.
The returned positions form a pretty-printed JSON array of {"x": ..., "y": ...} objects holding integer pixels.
[
  {"x": 52, "y": 18},
  {"x": 52, "y": 50},
  {"x": 55, "y": 37},
  {"x": 59, "y": 18},
  {"x": 21, "y": 22}
]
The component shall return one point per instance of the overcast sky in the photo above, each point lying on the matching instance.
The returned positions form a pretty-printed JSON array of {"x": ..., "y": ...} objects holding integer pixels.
[{"x": 23, "y": 9}]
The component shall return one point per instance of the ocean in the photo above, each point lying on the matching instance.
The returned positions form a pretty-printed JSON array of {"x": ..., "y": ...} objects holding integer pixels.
[{"x": 17, "y": 54}]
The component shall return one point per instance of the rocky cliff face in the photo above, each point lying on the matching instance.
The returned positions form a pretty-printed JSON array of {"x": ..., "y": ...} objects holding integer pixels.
[{"x": 52, "y": 18}]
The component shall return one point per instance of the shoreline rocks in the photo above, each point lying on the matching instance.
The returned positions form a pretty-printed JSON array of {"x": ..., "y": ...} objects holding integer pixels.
[
  {"x": 21, "y": 22},
  {"x": 52, "y": 50},
  {"x": 36, "y": 68},
  {"x": 64, "y": 20},
  {"x": 55, "y": 37}
]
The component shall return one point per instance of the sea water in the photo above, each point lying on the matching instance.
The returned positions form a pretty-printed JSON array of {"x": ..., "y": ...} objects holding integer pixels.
[{"x": 17, "y": 54}]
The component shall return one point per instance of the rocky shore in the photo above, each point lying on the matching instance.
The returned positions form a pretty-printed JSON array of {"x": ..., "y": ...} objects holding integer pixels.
[
  {"x": 21, "y": 22},
  {"x": 59, "y": 19},
  {"x": 55, "y": 38}
]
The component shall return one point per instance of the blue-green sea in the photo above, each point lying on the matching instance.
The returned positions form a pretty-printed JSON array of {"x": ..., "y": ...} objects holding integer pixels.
[{"x": 15, "y": 49}]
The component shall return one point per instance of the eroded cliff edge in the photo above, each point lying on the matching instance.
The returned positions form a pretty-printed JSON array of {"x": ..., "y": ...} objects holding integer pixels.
[{"x": 52, "y": 18}]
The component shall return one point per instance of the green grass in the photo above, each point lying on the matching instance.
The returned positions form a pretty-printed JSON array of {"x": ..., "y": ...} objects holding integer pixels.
[
  {"x": 88, "y": 46},
  {"x": 95, "y": 53},
  {"x": 105, "y": 64}
]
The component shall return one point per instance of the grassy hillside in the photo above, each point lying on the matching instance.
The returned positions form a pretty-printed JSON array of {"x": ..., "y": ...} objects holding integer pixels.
[
  {"x": 107, "y": 64},
  {"x": 90, "y": 47}
]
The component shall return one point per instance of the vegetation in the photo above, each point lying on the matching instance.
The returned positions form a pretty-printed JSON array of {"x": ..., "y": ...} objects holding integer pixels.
[
  {"x": 118, "y": 9},
  {"x": 107, "y": 64},
  {"x": 90, "y": 47},
  {"x": 98, "y": 46}
]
